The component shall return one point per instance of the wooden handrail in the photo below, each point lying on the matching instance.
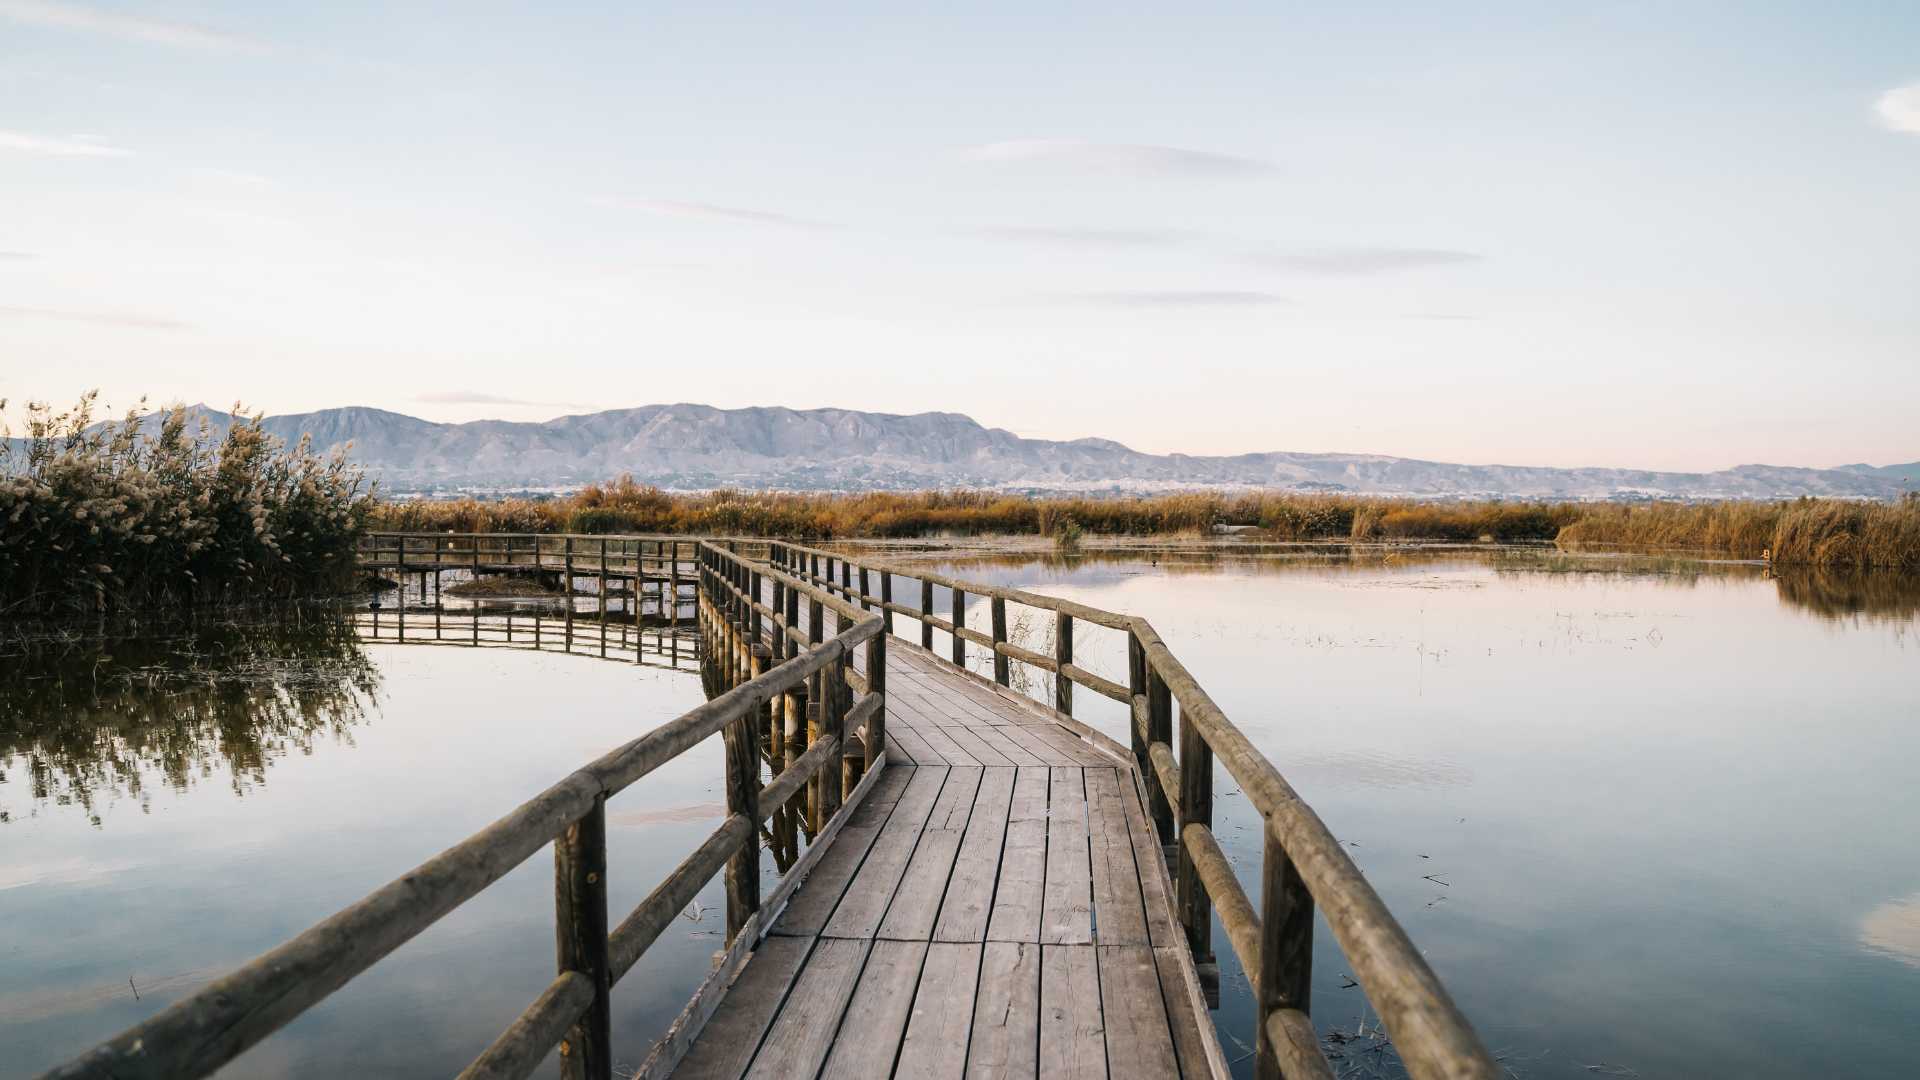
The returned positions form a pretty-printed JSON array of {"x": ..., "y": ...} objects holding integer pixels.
[
  {"x": 198, "y": 1034},
  {"x": 1302, "y": 864}
]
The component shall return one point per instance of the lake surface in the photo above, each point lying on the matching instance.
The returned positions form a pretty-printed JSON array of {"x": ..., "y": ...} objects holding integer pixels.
[
  {"x": 1650, "y": 817},
  {"x": 1646, "y": 817}
]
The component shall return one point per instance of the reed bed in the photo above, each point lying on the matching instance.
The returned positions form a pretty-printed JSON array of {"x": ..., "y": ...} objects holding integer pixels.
[
  {"x": 1812, "y": 532},
  {"x": 141, "y": 512}
]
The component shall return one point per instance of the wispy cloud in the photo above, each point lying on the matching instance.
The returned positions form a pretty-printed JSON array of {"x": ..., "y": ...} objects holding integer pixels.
[
  {"x": 1899, "y": 108},
  {"x": 474, "y": 397},
  {"x": 676, "y": 208},
  {"x": 1440, "y": 316},
  {"x": 1104, "y": 239},
  {"x": 16, "y": 256},
  {"x": 93, "y": 318},
  {"x": 51, "y": 146},
  {"x": 1356, "y": 261},
  {"x": 121, "y": 25},
  {"x": 1119, "y": 158},
  {"x": 1171, "y": 298}
]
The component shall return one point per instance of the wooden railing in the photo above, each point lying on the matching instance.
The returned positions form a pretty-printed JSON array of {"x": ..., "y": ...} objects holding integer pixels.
[
  {"x": 195, "y": 1036},
  {"x": 1302, "y": 864},
  {"x": 664, "y": 562}
]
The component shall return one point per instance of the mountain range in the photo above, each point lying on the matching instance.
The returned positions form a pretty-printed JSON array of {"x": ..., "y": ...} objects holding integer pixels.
[{"x": 692, "y": 447}]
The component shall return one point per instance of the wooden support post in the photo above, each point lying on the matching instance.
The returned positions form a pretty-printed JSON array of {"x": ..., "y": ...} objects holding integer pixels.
[
  {"x": 743, "y": 798},
  {"x": 865, "y": 604},
  {"x": 817, "y": 783},
  {"x": 580, "y": 912},
  {"x": 1002, "y": 666},
  {"x": 1196, "y": 808},
  {"x": 568, "y": 558},
  {"x": 876, "y": 735},
  {"x": 1286, "y": 949},
  {"x": 959, "y": 624},
  {"x": 1159, "y": 729},
  {"x": 926, "y": 608},
  {"x": 886, "y": 598},
  {"x": 1062, "y": 656},
  {"x": 849, "y": 772}
]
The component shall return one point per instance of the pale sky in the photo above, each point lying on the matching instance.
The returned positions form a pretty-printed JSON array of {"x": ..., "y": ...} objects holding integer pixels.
[{"x": 1672, "y": 235}]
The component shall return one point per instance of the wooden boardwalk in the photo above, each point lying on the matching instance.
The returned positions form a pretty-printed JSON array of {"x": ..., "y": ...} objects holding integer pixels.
[{"x": 997, "y": 906}]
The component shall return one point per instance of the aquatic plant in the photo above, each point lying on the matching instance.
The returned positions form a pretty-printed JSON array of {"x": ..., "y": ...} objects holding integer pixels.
[{"x": 138, "y": 512}]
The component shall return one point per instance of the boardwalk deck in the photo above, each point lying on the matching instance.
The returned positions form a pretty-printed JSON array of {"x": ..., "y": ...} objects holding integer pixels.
[{"x": 996, "y": 907}]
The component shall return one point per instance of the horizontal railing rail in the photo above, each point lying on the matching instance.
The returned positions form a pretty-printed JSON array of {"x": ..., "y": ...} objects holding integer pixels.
[
  {"x": 200, "y": 1033},
  {"x": 1302, "y": 865}
]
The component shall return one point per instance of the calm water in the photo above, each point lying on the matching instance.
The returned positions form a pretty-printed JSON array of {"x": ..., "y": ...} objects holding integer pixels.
[{"x": 1645, "y": 817}]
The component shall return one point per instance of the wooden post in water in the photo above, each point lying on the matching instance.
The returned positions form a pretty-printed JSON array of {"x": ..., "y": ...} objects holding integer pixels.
[
  {"x": 603, "y": 582},
  {"x": 865, "y": 604},
  {"x": 926, "y": 608},
  {"x": 886, "y": 598},
  {"x": 1286, "y": 949},
  {"x": 743, "y": 798},
  {"x": 1001, "y": 665},
  {"x": 580, "y": 910},
  {"x": 1062, "y": 656},
  {"x": 567, "y": 571},
  {"x": 1196, "y": 808},
  {"x": 1159, "y": 729},
  {"x": 876, "y": 740}
]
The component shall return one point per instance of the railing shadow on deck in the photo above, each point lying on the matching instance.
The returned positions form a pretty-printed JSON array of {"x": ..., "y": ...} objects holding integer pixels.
[{"x": 760, "y": 686}]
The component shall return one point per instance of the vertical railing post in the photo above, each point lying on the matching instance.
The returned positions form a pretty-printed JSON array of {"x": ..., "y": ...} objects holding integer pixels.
[
  {"x": 580, "y": 911},
  {"x": 1196, "y": 809},
  {"x": 1159, "y": 729},
  {"x": 876, "y": 740},
  {"x": 1062, "y": 656},
  {"x": 846, "y": 578},
  {"x": 886, "y": 598},
  {"x": 743, "y": 797},
  {"x": 1002, "y": 667},
  {"x": 567, "y": 559},
  {"x": 959, "y": 624},
  {"x": 865, "y": 584},
  {"x": 926, "y": 608},
  {"x": 603, "y": 580},
  {"x": 1286, "y": 948},
  {"x": 838, "y": 700}
]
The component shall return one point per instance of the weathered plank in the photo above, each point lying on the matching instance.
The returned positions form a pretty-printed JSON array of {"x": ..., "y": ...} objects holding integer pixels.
[
  {"x": 1018, "y": 899},
  {"x": 1067, "y": 917},
  {"x": 976, "y": 868},
  {"x": 1118, "y": 913},
  {"x": 865, "y": 902},
  {"x": 1014, "y": 752},
  {"x": 1005, "y": 1041},
  {"x": 1185, "y": 1012},
  {"x": 1072, "y": 1035},
  {"x": 936, "y": 1044},
  {"x": 727, "y": 1042},
  {"x": 1139, "y": 1042},
  {"x": 876, "y": 1019},
  {"x": 812, "y": 905},
  {"x": 798, "y": 1041},
  {"x": 968, "y": 740},
  {"x": 1156, "y": 888},
  {"x": 916, "y": 902}
]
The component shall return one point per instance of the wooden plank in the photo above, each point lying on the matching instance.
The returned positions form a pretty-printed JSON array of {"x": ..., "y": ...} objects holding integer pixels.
[
  {"x": 876, "y": 1018},
  {"x": 1156, "y": 887},
  {"x": 1048, "y": 753},
  {"x": 976, "y": 868},
  {"x": 1082, "y": 753},
  {"x": 936, "y": 1044},
  {"x": 813, "y": 903},
  {"x": 943, "y": 745},
  {"x": 1015, "y": 753},
  {"x": 727, "y": 1042},
  {"x": 1118, "y": 914},
  {"x": 896, "y": 752},
  {"x": 1139, "y": 1043},
  {"x": 1072, "y": 1041},
  {"x": 1005, "y": 1041},
  {"x": 1067, "y": 917},
  {"x": 915, "y": 746},
  {"x": 916, "y": 902},
  {"x": 971, "y": 744},
  {"x": 867, "y": 896},
  {"x": 1185, "y": 1013},
  {"x": 1018, "y": 899},
  {"x": 803, "y": 1032}
]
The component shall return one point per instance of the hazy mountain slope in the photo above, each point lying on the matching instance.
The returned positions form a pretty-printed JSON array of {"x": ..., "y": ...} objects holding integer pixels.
[{"x": 698, "y": 446}]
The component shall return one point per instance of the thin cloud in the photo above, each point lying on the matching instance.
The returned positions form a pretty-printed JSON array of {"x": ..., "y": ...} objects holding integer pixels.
[
  {"x": 1173, "y": 298},
  {"x": 49, "y": 146},
  {"x": 93, "y": 318},
  {"x": 16, "y": 255},
  {"x": 474, "y": 397},
  {"x": 675, "y": 208},
  {"x": 1899, "y": 109},
  {"x": 1119, "y": 158},
  {"x": 1102, "y": 239},
  {"x": 1354, "y": 262},
  {"x": 127, "y": 27},
  {"x": 1440, "y": 316}
]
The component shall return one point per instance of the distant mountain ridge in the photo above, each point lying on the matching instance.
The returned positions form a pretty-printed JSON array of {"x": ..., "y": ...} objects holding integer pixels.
[{"x": 688, "y": 447}]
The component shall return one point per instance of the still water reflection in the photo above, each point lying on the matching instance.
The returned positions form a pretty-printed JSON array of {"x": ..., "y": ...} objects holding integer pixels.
[{"x": 1646, "y": 817}]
